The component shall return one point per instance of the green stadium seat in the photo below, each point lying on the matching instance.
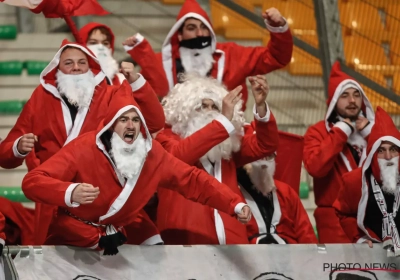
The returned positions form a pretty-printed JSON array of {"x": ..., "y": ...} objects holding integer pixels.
[
  {"x": 35, "y": 67},
  {"x": 316, "y": 231},
  {"x": 304, "y": 190},
  {"x": 11, "y": 107},
  {"x": 11, "y": 67},
  {"x": 8, "y": 32},
  {"x": 14, "y": 194}
]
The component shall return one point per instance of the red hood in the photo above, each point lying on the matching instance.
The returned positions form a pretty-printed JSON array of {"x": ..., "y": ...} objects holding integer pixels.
[
  {"x": 84, "y": 32},
  {"x": 121, "y": 102},
  {"x": 338, "y": 83},
  {"x": 48, "y": 75}
]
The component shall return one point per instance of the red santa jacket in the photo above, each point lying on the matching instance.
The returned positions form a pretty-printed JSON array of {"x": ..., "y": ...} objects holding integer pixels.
[
  {"x": 119, "y": 201},
  {"x": 327, "y": 157},
  {"x": 351, "y": 203},
  {"x": 233, "y": 63},
  {"x": 16, "y": 223},
  {"x": 47, "y": 116},
  {"x": 290, "y": 223},
  {"x": 183, "y": 222},
  {"x": 142, "y": 53}
]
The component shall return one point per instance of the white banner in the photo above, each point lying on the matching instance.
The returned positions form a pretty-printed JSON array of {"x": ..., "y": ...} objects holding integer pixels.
[{"x": 258, "y": 262}]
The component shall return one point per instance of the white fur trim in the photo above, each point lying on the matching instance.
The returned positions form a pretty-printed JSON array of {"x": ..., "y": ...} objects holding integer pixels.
[
  {"x": 15, "y": 149},
  {"x": 362, "y": 239},
  {"x": 139, "y": 38},
  {"x": 362, "y": 205},
  {"x": 262, "y": 229},
  {"x": 226, "y": 123},
  {"x": 2, "y": 242},
  {"x": 155, "y": 239},
  {"x": 344, "y": 127},
  {"x": 221, "y": 65},
  {"x": 120, "y": 201},
  {"x": 139, "y": 83},
  {"x": 277, "y": 29},
  {"x": 266, "y": 117},
  {"x": 346, "y": 162},
  {"x": 30, "y": 4},
  {"x": 121, "y": 77},
  {"x": 68, "y": 196},
  {"x": 239, "y": 207},
  {"x": 94, "y": 246},
  {"x": 367, "y": 129},
  {"x": 219, "y": 227},
  {"x": 276, "y": 218},
  {"x": 78, "y": 123},
  {"x": 345, "y": 84}
]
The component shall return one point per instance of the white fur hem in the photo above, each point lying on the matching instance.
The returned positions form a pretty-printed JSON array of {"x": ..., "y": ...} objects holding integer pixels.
[
  {"x": 140, "y": 39},
  {"x": 15, "y": 149},
  {"x": 266, "y": 117},
  {"x": 155, "y": 239},
  {"x": 226, "y": 123},
  {"x": 139, "y": 83},
  {"x": 362, "y": 239},
  {"x": 2, "y": 241},
  {"x": 277, "y": 29},
  {"x": 344, "y": 127},
  {"x": 68, "y": 196},
  {"x": 239, "y": 207},
  {"x": 367, "y": 130}
]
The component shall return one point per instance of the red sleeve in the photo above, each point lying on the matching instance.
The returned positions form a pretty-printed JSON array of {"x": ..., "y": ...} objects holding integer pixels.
[
  {"x": 322, "y": 149},
  {"x": 31, "y": 160},
  {"x": 23, "y": 126},
  {"x": 255, "y": 146},
  {"x": 303, "y": 228},
  {"x": 261, "y": 60},
  {"x": 346, "y": 204},
  {"x": 192, "y": 148},
  {"x": 195, "y": 184},
  {"x": 150, "y": 107},
  {"x": 2, "y": 225},
  {"x": 152, "y": 68},
  {"x": 49, "y": 182}
]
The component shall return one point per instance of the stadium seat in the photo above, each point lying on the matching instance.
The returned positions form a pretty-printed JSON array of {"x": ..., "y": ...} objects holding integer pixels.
[
  {"x": 304, "y": 64},
  {"x": 35, "y": 67},
  {"x": 11, "y": 107},
  {"x": 395, "y": 51},
  {"x": 8, "y": 32},
  {"x": 304, "y": 190},
  {"x": 359, "y": 50},
  {"x": 11, "y": 67},
  {"x": 177, "y": 2}
]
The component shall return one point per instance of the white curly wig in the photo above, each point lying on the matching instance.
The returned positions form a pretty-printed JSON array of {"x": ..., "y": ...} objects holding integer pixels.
[{"x": 185, "y": 98}]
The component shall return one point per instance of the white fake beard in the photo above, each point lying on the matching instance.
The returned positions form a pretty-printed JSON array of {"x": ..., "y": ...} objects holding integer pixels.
[
  {"x": 107, "y": 62},
  {"x": 78, "y": 89},
  {"x": 197, "y": 60},
  {"x": 389, "y": 174},
  {"x": 128, "y": 158},
  {"x": 262, "y": 174},
  {"x": 223, "y": 150}
]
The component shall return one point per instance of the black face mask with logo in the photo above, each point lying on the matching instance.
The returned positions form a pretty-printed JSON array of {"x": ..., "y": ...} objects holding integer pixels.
[{"x": 196, "y": 43}]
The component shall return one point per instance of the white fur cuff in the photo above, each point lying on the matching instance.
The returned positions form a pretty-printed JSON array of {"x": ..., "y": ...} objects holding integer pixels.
[
  {"x": 140, "y": 39},
  {"x": 15, "y": 149},
  {"x": 257, "y": 116},
  {"x": 239, "y": 207},
  {"x": 2, "y": 241},
  {"x": 155, "y": 239},
  {"x": 68, "y": 196},
  {"x": 139, "y": 83},
  {"x": 226, "y": 123},
  {"x": 367, "y": 129},
  {"x": 344, "y": 127},
  {"x": 277, "y": 29}
]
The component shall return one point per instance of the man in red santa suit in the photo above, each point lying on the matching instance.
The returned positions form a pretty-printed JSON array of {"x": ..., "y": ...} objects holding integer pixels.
[
  {"x": 191, "y": 46},
  {"x": 97, "y": 205},
  {"x": 100, "y": 39},
  {"x": 206, "y": 131},
  {"x": 278, "y": 214},
  {"x": 72, "y": 99},
  {"x": 335, "y": 146},
  {"x": 369, "y": 200}
]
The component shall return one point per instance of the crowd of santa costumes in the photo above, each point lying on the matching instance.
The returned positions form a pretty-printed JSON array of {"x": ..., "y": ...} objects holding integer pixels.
[{"x": 165, "y": 156}]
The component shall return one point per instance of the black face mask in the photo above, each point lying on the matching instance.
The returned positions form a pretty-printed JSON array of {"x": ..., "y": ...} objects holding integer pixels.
[{"x": 196, "y": 43}]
